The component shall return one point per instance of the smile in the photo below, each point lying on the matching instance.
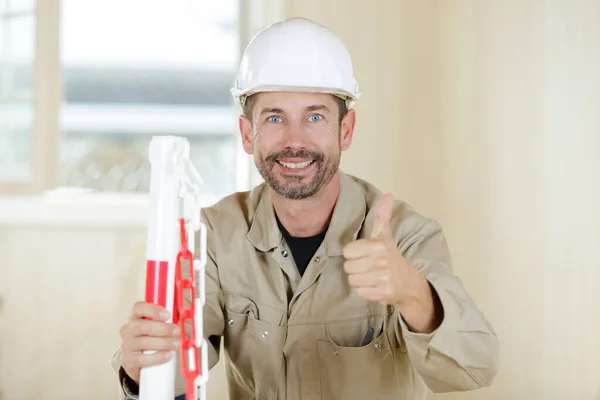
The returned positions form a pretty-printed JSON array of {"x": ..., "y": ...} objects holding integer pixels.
[{"x": 292, "y": 165}]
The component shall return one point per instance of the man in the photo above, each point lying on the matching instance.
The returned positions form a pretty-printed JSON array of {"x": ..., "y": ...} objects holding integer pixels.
[{"x": 321, "y": 287}]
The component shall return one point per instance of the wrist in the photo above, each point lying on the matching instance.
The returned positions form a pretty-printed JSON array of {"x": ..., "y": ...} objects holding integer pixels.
[
  {"x": 416, "y": 290},
  {"x": 419, "y": 306}
]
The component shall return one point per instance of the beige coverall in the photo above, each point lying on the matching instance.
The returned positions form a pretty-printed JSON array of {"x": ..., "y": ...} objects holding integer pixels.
[{"x": 299, "y": 338}]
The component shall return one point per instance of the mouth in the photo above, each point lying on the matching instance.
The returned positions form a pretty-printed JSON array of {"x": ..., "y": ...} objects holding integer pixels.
[{"x": 295, "y": 165}]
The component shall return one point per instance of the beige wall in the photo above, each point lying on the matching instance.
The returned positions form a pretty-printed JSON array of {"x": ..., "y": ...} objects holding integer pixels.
[
  {"x": 69, "y": 276},
  {"x": 396, "y": 56},
  {"x": 483, "y": 114}
]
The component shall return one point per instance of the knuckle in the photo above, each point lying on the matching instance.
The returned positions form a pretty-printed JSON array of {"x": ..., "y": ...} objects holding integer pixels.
[
  {"x": 134, "y": 361},
  {"x": 158, "y": 344},
  {"x": 350, "y": 267},
  {"x": 352, "y": 280},
  {"x": 159, "y": 357},
  {"x": 144, "y": 344},
  {"x": 138, "y": 304},
  {"x": 161, "y": 329},
  {"x": 348, "y": 252},
  {"x": 388, "y": 292},
  {"x": 138, "y": 307},
  {"x": 345, "y": 252},
  {"x": 142, "y": 309},
  {"x": 137, "y": 360},
  {"x": 125, "y": 346},
  {"x": 128, "y": 361},
  {"x": 146, "y": 328},
  {"x": 346, "y": 266},
  {"x": 124, "y": 331},
  {"x": 379, "y": 246},
  {"x": 135, "y": 328}
]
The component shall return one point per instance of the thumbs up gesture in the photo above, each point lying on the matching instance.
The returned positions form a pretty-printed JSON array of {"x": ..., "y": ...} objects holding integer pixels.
[{"x": 375, "y": 267}]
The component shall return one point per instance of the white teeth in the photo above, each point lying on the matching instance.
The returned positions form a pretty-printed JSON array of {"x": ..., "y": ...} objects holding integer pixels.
[{"x": 296, "y": 165}]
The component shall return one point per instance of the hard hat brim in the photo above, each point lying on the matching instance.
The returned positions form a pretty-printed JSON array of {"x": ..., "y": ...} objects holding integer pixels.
[{"x": 239, "y": 95}]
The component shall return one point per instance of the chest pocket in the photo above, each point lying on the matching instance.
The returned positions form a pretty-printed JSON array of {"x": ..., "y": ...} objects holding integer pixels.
[
  {"x": 254, "y": 339},
  {"x": 359, "y": 358}
]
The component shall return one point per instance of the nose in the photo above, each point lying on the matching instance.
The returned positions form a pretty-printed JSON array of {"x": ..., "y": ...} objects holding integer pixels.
[{"x": 294, "y": 136}]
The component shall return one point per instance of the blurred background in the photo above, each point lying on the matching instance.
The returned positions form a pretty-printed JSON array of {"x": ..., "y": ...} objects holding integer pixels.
[{"x": 483, "y": 114}]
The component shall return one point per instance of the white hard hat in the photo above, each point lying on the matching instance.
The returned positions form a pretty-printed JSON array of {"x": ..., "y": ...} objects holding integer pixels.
[{"x": 296, "y": 54}]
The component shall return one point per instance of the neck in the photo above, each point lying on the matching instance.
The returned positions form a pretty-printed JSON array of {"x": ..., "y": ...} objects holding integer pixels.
[{"x": 307, "y": 217}]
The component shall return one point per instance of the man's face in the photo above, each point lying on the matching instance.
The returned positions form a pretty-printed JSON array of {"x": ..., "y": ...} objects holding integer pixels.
[{"x": 296, "y": 140}]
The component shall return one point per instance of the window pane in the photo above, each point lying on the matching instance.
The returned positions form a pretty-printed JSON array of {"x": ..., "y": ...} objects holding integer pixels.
[
  {"x": 16, "y": 125},
  {"x": 119, "y": 162},
  {"x": 17, "y": 5},
  {"x": 169, "y": 76},
  {"x": 17, "y": 48}
]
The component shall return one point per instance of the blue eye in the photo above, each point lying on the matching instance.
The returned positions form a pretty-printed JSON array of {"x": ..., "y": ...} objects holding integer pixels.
[
  {"x": 315, "y": 118},
  {"x": 274, "y": 119}
]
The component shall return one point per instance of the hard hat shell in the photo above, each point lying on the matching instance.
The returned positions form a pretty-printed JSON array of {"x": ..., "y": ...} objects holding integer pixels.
[{"x": 299, "y": 55}]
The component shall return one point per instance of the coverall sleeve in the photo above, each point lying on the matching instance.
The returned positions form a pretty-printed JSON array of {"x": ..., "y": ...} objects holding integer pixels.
[
  {"x": 463, "y": 352},
  {"x": 213, "y": 324}
]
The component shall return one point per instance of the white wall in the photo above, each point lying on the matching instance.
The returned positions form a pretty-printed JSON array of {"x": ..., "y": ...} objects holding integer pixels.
[{"x": 483, "y": 114}]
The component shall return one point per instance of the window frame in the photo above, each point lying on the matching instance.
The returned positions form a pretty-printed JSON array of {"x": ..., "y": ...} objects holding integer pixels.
[
  {"x": 45, "y": 100},
  {"x": 47, "y": 95}
]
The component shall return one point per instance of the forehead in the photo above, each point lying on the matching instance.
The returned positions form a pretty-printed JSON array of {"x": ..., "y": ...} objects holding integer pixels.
[{"x": 293, "y": 101}]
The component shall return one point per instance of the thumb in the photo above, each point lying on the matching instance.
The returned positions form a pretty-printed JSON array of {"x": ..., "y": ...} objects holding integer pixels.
[{"x": 383, "y": 215}]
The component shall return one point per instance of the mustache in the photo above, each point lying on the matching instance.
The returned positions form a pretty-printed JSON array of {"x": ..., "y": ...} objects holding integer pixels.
[{"x": 291, "y": 153}]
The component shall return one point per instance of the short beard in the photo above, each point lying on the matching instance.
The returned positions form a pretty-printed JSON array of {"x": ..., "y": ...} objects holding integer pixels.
[{"x": 291, "y": 186}]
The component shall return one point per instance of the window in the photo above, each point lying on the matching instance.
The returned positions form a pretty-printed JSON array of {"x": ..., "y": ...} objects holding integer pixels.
[
  {"x": 81, "y": 99},
  {"x": 152, "y": 68},
  {"x": 17, "y": 52}
]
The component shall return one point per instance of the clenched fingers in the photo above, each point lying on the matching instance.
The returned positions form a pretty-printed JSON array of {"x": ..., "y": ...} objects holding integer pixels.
[
  {"x": 143, "y": 343},
  {"x": 143, "y": 309},
  {"x": 364, "y": 248},
  {"x": 363, "y": 265},
  {"x": 142, "y": 327},
  {"x": 369, "y": 279}
]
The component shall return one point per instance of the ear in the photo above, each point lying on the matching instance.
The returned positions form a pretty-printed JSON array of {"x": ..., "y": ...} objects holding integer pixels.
[
  {"x": 246, "y": 134},
  {"x": 347, "y": 129}
]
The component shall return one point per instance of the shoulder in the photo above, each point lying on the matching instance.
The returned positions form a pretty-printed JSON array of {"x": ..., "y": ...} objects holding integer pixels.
[{"x": 235, "y": 210}]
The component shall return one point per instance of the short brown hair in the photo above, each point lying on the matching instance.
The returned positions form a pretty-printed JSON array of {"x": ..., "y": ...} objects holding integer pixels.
[{"x": 249, "y": 105}]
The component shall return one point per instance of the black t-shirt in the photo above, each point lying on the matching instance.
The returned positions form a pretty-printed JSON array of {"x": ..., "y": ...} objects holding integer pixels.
[{"x": 302, "y": 248}]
